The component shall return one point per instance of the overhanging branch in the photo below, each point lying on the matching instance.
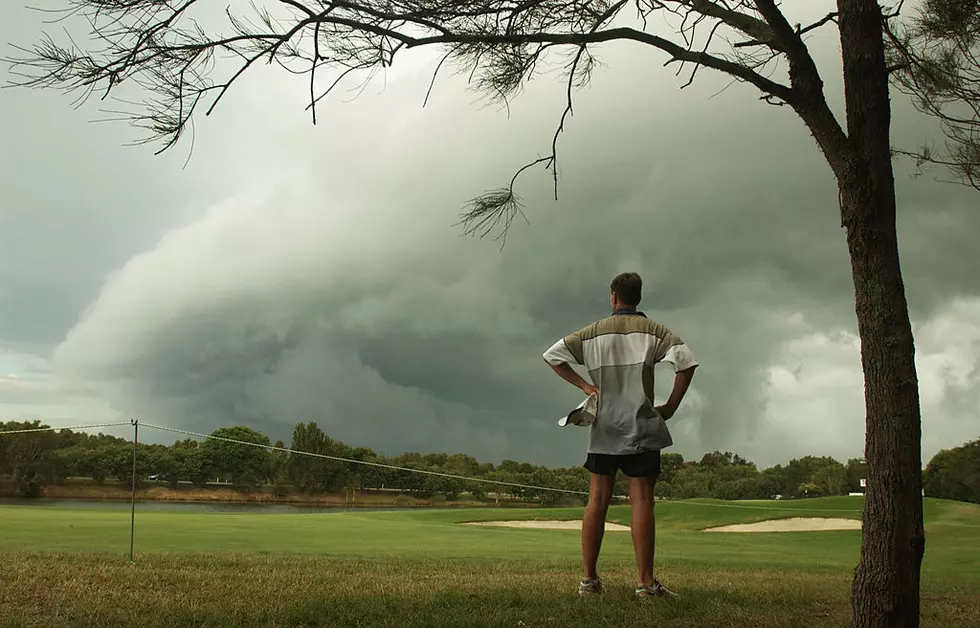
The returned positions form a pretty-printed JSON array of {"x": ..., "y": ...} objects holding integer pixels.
[
  {"x": 675, "y": 51},
  {"x": 147, "y": 41},
  {"x": 806, "y": 85},
  {"x": 755, "y": 28}
]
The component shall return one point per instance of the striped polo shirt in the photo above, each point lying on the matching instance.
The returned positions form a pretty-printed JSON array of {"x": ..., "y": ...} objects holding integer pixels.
[{"x": 619, "y": 352}]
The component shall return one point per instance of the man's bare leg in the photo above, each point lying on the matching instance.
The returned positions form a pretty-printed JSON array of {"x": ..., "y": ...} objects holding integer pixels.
[
  {"x": 644, "y": 527},
  {"x": 594, "y": 522}
]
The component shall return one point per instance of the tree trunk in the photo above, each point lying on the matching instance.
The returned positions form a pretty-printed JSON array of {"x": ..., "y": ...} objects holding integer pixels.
[
  {"x": 886, "y": 582},
  {"x": 885, "y": 590}
]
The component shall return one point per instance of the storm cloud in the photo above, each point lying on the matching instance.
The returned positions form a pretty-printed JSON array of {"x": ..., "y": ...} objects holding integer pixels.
[{"x": 294, "y": 272}]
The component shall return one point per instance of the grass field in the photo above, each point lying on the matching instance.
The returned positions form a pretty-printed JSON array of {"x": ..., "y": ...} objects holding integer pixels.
[{"x": 419, "y": 568}]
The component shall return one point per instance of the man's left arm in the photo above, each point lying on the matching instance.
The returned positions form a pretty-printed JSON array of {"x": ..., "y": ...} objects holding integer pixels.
[
  {"x": 675, "y": 351},
  {"x": 682, "y": 381}
]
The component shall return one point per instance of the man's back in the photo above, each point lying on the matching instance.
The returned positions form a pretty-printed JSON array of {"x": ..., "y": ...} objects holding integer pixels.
[
  {"x": 628, "y": 433},
  {"x": 619, "y": 352}
]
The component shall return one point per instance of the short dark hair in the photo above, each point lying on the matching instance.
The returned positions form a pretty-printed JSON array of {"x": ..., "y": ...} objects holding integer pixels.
[{"x": 628, "y": 288}]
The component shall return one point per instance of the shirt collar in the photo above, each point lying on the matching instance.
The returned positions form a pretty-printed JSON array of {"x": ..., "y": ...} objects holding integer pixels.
[{"x": 629, "y": 311}]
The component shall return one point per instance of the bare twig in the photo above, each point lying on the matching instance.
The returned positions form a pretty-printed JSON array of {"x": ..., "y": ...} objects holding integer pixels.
[{"x": 830, "y": 17}]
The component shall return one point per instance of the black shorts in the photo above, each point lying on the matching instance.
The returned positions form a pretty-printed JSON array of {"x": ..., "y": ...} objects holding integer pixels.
[{"x": 641, "y": 465}]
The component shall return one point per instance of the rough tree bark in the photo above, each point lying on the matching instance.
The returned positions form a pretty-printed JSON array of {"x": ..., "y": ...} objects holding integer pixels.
[{"x": 885, "y": 590}]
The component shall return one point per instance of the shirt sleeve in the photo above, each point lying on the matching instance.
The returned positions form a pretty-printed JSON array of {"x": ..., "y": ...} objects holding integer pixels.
[
  {"x": 566, "y": 350},
  {"x": 672, "y": 349}
]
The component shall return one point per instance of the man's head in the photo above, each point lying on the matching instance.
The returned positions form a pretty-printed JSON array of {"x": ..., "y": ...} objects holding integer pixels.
[{"x": 625, "y": 291}]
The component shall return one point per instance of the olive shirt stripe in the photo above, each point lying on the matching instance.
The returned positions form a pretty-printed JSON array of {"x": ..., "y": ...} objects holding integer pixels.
[{"x": 619, "y": 353}]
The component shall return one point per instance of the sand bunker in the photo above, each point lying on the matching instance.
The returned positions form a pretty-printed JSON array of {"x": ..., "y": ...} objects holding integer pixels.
[
  {"x": 546, "y": 525},
  {"x": 796, "y": 524}
]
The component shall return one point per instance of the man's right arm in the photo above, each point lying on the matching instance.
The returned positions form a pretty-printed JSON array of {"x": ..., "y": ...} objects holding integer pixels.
[
  {"x": 567, "y": 373},
  {"x": 561, "y": 355}
]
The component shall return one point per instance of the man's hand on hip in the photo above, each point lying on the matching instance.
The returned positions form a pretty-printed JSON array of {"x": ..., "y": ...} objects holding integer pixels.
[
  {"x": 568, "y": 374},
  {"x": 682, "y": 380}
]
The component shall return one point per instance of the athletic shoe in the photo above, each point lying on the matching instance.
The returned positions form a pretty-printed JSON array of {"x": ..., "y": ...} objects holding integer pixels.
[
  {"x": 589, "y": 586},
  {"x": 654, "y": 590}
]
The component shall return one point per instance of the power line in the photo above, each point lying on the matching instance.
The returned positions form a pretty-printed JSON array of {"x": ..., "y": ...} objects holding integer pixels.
[
  {"x": 408, "y": 469},
  {"x": 135, "y": 423},
  {"x": 309, "y": 453},
  {"x": 70, "y": 427},
  {"x": 365, "y": 462}
]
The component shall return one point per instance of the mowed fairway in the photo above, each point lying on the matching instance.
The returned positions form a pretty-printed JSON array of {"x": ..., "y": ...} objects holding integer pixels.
[{"x": 420, "y": 568}]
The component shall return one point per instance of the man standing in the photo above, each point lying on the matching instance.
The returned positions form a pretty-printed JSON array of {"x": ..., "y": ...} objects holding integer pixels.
[{"x": 619, "y": 353}]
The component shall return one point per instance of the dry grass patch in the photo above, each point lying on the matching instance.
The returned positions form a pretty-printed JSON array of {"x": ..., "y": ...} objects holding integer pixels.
[{"x": 241, "y": 590}]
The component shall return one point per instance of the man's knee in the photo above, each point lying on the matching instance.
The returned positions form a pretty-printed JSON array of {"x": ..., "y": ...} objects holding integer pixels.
[
  {"x": 641, "y": 489},
  {"x": 600, "y": 499},
  {"x": 601, "y": 491}
]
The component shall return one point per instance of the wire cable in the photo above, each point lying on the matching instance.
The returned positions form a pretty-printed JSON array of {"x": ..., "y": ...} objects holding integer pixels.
[
  {"x": 392, "y": 467},
  {"x": 365, "y": 462},
  {"x": 68, "y": 427}
]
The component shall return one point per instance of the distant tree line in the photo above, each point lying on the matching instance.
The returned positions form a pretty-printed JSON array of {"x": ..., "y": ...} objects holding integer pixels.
[
  {"x": 954, "y": 473},
  {"x": 31, "y": 461}
]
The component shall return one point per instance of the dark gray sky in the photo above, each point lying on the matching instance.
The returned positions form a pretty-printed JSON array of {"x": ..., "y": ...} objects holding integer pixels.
[{"x": 294, "y": 273}]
